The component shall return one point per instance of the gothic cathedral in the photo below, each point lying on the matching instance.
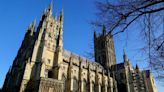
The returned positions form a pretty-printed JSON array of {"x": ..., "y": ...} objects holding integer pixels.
[{"x": 43, "y": 65}]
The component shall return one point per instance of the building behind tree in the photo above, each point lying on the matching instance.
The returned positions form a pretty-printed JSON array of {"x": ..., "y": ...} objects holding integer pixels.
[{"x": 43, "y": 65}]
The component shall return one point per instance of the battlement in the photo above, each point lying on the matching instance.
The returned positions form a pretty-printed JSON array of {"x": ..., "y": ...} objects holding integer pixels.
[{"x": 80, "y": 61}]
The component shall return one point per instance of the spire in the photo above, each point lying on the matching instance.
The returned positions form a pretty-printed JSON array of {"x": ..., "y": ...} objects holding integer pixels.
[
  {"x": 32, "y": 25},
  {"x": 30, "y": 29},
  {"x": 49, "y": 10},
  {"x": 125, "y": 56},
  {"x": 104, "y": 30},
  {"x": 50, "y": 6}
]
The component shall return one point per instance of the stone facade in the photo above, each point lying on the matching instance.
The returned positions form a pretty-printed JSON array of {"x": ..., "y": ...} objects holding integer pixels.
[{"x": 43, "y": 65}]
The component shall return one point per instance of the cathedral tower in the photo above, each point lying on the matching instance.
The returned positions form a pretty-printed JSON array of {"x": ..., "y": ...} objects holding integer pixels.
[
  {"x": 104, "y": 49},
  {"x": 40, "y": 54}
]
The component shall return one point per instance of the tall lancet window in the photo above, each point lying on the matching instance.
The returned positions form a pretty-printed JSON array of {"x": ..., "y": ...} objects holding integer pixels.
[{"x": 75, "y": 85}]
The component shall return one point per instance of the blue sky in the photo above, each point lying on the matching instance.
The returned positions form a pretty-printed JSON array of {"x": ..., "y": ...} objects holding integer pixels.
[{"x": 16, "y": 15}]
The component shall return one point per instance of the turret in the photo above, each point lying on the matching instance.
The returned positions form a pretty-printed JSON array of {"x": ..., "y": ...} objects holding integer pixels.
[
  {"x": 32, "y": 25},
  {"x": 60, "y": 37},
  {"x": 31, "y": 29},
  {"x": 49, "y": 10}
]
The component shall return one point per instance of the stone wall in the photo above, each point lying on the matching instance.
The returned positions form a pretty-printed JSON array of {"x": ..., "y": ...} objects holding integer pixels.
[{"x": 50, "y": 85}]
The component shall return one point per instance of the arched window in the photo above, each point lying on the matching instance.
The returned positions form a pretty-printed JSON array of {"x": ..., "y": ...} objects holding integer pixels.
[
  {"x": 85, "y": 89},
  {"x": 75, "y": 85},
  {"x": 64, "y": 79}
]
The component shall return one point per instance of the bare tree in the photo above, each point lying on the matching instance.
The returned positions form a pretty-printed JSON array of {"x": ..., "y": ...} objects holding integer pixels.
[{"x": 119, "y": 15}]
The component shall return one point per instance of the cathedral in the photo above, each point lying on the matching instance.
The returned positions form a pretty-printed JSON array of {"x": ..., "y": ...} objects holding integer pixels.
[{"x": 43, "y": 65}]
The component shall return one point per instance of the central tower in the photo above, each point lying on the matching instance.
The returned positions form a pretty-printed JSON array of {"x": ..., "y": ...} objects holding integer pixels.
[{"x": 104, "y": 49}]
